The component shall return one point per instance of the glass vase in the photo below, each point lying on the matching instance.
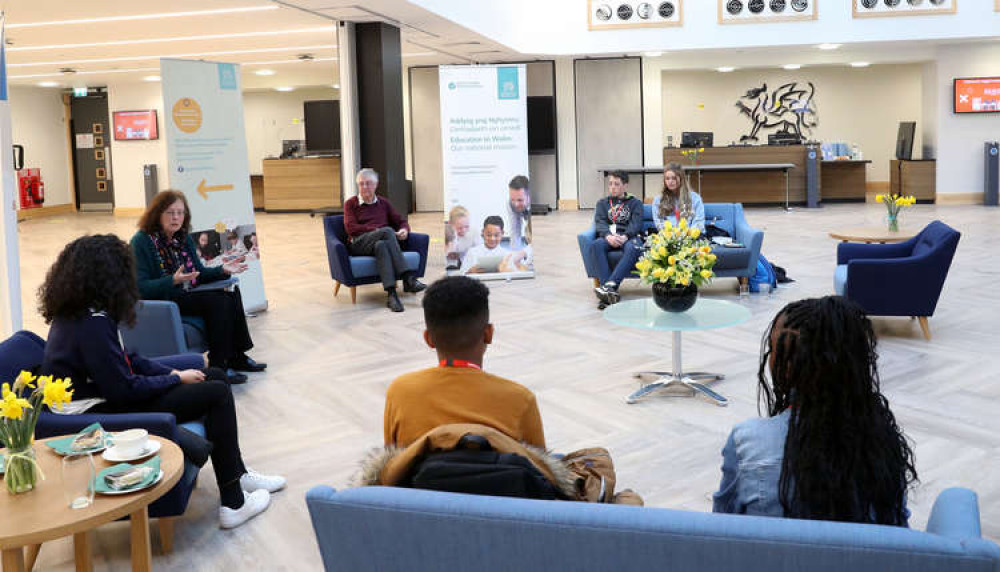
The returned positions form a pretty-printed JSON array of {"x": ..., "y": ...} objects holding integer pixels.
[
  {"x": 893, "y": 222},
  {"x": 22, "y": 471}
]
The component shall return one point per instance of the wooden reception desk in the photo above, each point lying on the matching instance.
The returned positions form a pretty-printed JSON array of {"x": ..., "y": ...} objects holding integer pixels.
[
  {"x": 838, "y": 179},
  {"x": 301, "y": 184}
]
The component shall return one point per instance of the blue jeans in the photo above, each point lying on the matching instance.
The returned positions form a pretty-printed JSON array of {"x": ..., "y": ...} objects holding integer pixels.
[{"x": 631, "y": 251}]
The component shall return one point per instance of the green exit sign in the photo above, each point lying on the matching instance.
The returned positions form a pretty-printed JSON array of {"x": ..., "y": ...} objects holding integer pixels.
[{"x": 79, "y": 92}]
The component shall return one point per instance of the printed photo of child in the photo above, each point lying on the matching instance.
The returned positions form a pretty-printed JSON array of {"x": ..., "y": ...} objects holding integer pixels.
[
  {"x": 458, "y": 239},
  {"x": 491, "y": 257}
]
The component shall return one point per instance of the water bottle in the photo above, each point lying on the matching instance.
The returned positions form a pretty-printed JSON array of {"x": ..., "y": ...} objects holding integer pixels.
[{"x": 855, "y": 152}]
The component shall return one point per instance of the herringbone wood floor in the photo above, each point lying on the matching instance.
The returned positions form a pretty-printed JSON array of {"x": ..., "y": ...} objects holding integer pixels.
[{"x": 318, "y": 407}]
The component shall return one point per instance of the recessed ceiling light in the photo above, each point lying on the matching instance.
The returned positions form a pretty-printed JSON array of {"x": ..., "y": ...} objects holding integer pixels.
[
  {"x": 828, "y": 46},
  {"x": 264, "y": 72},
  {"x": 792, "y": 66},
  {"x": 725, "y": 69},
  {"x": 860, "y": 64},
  {"x": 652, "y": 54},
  {"x": 335, "y": 86},
  {"x": 142, "y": 17},
  {"x": 174, "y": 39},
  {"x": 48, "y": 84},
  {"x": 284, "y": 88},
  {"x": 151, "y": 78}
]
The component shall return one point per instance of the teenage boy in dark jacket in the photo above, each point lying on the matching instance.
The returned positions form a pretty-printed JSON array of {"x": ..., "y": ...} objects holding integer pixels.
[{"x": 618, "y": 219}]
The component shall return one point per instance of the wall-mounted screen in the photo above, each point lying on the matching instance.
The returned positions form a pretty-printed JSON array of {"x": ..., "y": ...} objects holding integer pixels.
[
  {"x": 541, "y": 123},
  {"x": 132, "y": 125},
  {"x": 322, "y": 126},
  {"x": 977, "y": 95}
]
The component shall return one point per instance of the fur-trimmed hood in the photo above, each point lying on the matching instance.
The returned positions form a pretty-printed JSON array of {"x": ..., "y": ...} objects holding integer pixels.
[{"x": 387, "y": 466}]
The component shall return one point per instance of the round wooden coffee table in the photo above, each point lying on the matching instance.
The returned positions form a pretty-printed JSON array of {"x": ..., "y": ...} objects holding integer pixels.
[
  {"x": 42, "y": 514},
  {"x": 871, "y": 234}
]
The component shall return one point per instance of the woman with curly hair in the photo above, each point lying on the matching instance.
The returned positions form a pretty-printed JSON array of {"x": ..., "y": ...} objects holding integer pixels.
[
  {"x": 677, "y": 201},
  {"x": 830, "y": 448},
  {"x": 168, "y": 267},
  {"x": 87, "y": 293}
]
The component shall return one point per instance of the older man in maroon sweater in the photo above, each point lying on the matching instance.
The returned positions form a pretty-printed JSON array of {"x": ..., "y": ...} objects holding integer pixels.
[{"x": 375, "y": 229}]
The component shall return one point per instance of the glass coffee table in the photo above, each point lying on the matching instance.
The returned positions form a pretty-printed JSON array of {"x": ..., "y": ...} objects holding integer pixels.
[{"x": 706, "y": 314}]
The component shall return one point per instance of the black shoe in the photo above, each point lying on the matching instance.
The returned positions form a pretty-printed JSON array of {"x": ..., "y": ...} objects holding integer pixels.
[
  {"x": 245, "y": 363},
  {"x": 392, "y": 301},
  {"x": 234, "y": 377},
  {"x": 412, "y": 285},
  {"x": 608, "y": 294}
]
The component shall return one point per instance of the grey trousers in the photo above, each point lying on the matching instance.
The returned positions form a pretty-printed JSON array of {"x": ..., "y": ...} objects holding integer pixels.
[{"x": 384, "y": 246}]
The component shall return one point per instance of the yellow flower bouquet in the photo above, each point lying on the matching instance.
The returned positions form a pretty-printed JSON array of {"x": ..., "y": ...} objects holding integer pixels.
[
  {"x": 692, "y": 154},
  {"x": 18, "y": 416},
  {"x": 894, "y": 204},
  {"x": 676, "y": 258}
]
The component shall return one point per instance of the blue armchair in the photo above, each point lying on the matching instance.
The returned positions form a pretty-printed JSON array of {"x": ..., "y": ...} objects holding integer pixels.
[
  {"x": 25, "y": 350},
  {"x": 903, "y": 279},
  {"x": 354, "y": 271},
  {"x": 731, "y": 262}
]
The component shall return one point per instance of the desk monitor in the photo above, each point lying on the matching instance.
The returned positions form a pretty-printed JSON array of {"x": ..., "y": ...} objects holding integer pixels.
[
  {"x": 904, "y": 140},
  {"x": 784, "y": 139},
  {"x": 292, "y": 148},
  {"x": 691, "y": 139}
]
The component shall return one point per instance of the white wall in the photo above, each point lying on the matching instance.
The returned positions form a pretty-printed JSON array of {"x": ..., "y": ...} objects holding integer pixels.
[
  {"x": 128, "y": 157},
  {"x": 38, "y": 119},
  {"x": 960, "y": 137},
  {"x": 566, "y": 129},
  {"x": 863, "y": 106},
  {"x": 273, "y": 116}
]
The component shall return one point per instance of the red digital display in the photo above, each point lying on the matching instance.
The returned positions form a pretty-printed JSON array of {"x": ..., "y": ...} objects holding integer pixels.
[
  {"x": 977, "y": 95},
  {"x": 131, "y": 125}
]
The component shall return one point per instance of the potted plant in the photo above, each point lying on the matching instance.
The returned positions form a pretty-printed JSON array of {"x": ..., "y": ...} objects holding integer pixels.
[
  {"x": 18, "y": 415},
  {"x": 894, "y": 204},
  {"x": 677, "y": 260}
]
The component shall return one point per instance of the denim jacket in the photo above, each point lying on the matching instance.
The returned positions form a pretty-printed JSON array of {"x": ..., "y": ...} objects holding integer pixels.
[
  {"x": 751, "y": 467},
  {"x": 697, "y": 213}
]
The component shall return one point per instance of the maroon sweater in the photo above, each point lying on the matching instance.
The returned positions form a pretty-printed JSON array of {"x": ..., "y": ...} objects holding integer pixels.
[{"x": 359, "y": 218}]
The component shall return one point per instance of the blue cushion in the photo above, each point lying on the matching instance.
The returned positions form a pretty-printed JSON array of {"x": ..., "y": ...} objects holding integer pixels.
[
  {"x": 731, "y": 258},
  {"x": 196, "y": 427},
  {"x": 364, "y": 266},
  {"x": 840, "y": 279}
]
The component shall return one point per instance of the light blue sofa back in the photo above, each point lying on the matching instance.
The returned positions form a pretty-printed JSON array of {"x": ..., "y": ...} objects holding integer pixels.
[{"x": 388, "y": 529}]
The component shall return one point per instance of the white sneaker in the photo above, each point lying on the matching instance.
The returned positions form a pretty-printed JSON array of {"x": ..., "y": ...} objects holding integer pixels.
[
  {"x": 253, "y": 504},
  {"x": 253, "y": 481}
]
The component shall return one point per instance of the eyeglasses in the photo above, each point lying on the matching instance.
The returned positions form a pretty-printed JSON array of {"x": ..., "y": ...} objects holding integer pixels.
[{"x": 175, "y": 213}]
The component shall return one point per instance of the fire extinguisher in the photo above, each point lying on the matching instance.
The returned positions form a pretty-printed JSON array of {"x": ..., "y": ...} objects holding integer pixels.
[{"x": 32, "y": 188}]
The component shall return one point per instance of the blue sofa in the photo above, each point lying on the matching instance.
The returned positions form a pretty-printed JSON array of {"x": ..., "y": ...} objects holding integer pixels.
[
  {"x": 353, "y": 271},
  {"x": 903, "y": 279},
  {"x": 731, "y": 262},
  {"x": 388, "y": 529}
]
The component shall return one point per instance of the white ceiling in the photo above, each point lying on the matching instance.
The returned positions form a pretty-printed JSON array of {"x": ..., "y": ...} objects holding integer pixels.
[{"x": 296, "y": 39}]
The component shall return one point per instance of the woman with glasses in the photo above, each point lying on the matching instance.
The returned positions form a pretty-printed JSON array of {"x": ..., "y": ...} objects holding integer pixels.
[{"x": 168, "y": 268}]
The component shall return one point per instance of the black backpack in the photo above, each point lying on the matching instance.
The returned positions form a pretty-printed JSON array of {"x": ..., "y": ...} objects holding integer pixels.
[{"x": 473, "y": 467}]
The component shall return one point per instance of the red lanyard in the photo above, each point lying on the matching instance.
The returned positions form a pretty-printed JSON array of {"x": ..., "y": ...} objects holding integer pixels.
[
  {"x": 458, "y": 363},
  {"x": 615, "y": 211},
  {"x": 677, "y": 215}
]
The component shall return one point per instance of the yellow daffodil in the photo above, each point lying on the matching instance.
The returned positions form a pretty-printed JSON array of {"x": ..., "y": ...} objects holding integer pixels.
[
  {"x": 12, "y": 406},
  {"x": 695, "y": 232},
  {"x": 24, "y": 379},
  {"x": 706, "y": 274},
  {"x": 878, "y": 198},
  {"x": 672, "y": 260},
  {"x": 662, "y": 251},
  {"x": 684, "y": 280},
  {"x": 671, "y": 271},
  {"x": 711, "y": 257},
  {"x": 701, "y": 149},
  {"x": 683, "y": 224},
  {"x": 57, "y": 393}
]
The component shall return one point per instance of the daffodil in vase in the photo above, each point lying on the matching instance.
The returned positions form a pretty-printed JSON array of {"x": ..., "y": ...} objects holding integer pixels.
[
  {"x": 18, "y": 416},
  {"x": 677, "y": 260},
  {"x": 894, "y": 204}
]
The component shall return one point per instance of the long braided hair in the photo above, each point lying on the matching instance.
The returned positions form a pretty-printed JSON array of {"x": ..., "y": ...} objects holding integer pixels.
[
  {"x": 680, "y": 201},
  {"x": 845, "y": 458}
]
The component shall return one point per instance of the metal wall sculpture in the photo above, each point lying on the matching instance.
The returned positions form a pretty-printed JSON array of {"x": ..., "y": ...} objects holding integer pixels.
[
  {"x": 876, "y": 8},
  {"x": 789, "y": 109},
  {"x": 618, "y": 14},
  {"x": 764, "y": 11}
]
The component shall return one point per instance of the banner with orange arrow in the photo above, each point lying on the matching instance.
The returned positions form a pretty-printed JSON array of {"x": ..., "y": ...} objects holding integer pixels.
[{"x": 204, "y": 189}]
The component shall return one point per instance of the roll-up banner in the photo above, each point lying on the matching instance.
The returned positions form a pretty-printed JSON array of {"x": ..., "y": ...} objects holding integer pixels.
[
  {"x": 207, "y": 161},
  {"x": 10, "y": 261},
  {"x": 487, "y": 191}
]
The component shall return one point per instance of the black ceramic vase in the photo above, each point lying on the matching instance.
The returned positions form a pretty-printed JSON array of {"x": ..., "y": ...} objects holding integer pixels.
[{"x": 674, "y": 298}]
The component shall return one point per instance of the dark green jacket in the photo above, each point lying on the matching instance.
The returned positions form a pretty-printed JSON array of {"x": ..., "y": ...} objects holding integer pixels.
[{"x": 154, "y": 284}]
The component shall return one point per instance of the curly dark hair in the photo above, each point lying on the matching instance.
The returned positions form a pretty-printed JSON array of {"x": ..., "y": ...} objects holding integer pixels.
[
  {"x": 456, "y": 309},
  {"x": 845, "y": 459},
  {"x": 149, "y": 222},
  {"x": 92, "y": 273}
]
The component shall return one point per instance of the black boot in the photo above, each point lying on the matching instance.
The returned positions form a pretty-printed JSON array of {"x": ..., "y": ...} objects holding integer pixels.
[
  {"x": 392, "y": 301},
  {"x": 411, "y": 284}
]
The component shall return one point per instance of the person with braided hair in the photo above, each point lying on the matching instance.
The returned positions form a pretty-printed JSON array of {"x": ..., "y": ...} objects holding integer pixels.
[{"x": 830, "y": 447}]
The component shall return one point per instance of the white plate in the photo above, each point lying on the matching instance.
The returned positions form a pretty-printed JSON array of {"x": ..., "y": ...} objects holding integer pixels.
[
  {"x": 114, "y": 457},
  {"x": 135, "y": 490}
]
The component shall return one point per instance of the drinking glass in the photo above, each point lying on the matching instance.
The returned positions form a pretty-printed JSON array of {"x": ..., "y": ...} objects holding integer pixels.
[
  {"x": 744, "y": 291},
  {"x": 78, "y": 480}
]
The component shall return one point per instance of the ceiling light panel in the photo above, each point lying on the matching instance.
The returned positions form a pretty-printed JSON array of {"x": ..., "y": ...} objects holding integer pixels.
[
  {"x": 330, "y": 47},
  {"x": 256, "y": 34},
  {"x": 157, "y": 16}
]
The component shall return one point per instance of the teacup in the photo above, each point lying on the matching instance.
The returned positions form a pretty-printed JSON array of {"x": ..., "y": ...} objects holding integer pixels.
[{"x": 132, "y": 442}]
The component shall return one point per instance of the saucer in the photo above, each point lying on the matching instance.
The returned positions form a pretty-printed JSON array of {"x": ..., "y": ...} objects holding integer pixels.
[
  {"x": 114, "y": 456},
  {"x": 158, "y": 478}
]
